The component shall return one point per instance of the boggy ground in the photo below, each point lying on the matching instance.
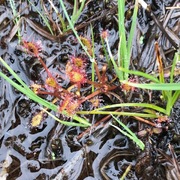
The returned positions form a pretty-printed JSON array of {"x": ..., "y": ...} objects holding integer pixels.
[{"x": 55, "y": 151}]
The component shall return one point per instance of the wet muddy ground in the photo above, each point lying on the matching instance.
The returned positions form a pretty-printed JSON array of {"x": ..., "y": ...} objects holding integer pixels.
[{"x": 55, "y": 151}]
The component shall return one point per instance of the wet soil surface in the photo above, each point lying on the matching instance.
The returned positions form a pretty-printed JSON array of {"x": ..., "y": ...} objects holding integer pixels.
[{"x": 55, "y": 151}]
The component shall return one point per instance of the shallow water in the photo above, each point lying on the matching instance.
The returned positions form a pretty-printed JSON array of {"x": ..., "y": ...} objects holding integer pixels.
[{"x": 54, "y": 151}]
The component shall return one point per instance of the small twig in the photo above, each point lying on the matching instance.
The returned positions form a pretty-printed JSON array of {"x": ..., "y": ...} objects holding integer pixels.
[
  {"x": 95, "y": 125},
  {"x": 145, "y": 121}
]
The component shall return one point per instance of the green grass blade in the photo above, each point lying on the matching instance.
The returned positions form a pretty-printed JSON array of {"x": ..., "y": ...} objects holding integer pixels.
[
  {"x": 131, "y": 36},
  {"x": 65, "y": 122},
  {"x": 74, "y": 31},
  {"x": 125, "y": 127},
  {"x": 155, "y": 86},
  {"x": 43, "y": 17},
  {"x": 75, "y": 9},
  {"x": 119, "y": 113},
  {"x": 60, "y": 17},
  {"x": 121, "y": 73},
  {"x": 129, "y": 133},
  {"x": 175, "y": 60},
  {"x": 77, "y": 12},
  {"x": 142, "y": 74},
  {"x": 143, "y": 105},
  {"x": 122, "y": 36},
  {"x": 81, "y": 120},
  {"x": 14, "y": 74},
  {"x": 112, "y": 59},
  {"x": 106, "y": 53},
  {"x": 175, "y": 97},
  {"x": 92, "y": 64},
  {"x": 13, "y": 7},
  {"x": 17, "y": 17},
  {"x": 29, "y": 94},
  {"x": 172, "y": 101}
]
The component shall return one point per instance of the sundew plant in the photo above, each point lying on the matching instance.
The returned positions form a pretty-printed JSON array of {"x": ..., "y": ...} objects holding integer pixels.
[{"x": 69, "y": 101}]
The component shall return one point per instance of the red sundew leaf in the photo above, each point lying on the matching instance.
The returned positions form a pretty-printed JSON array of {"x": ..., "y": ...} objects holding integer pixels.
[
  {"x": 126, "y": 87},
  {"x": 67, "y": 99},
  {"x": 88, "y": 44},
  {"x": 104, "y": 34},
  {"x": 37, "y": 119},
  {"x": 32, "y": 47},
  {"x": 35, "y": 88},
  {"x": 51, "y": 82},
  {"x": 78, "y": 62},
  {"x": 77, "y": 77},
  {"x": 69, "y": 67},
  {"x": 73, "y": 107},
  {"x": 69, "y": 104}
]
